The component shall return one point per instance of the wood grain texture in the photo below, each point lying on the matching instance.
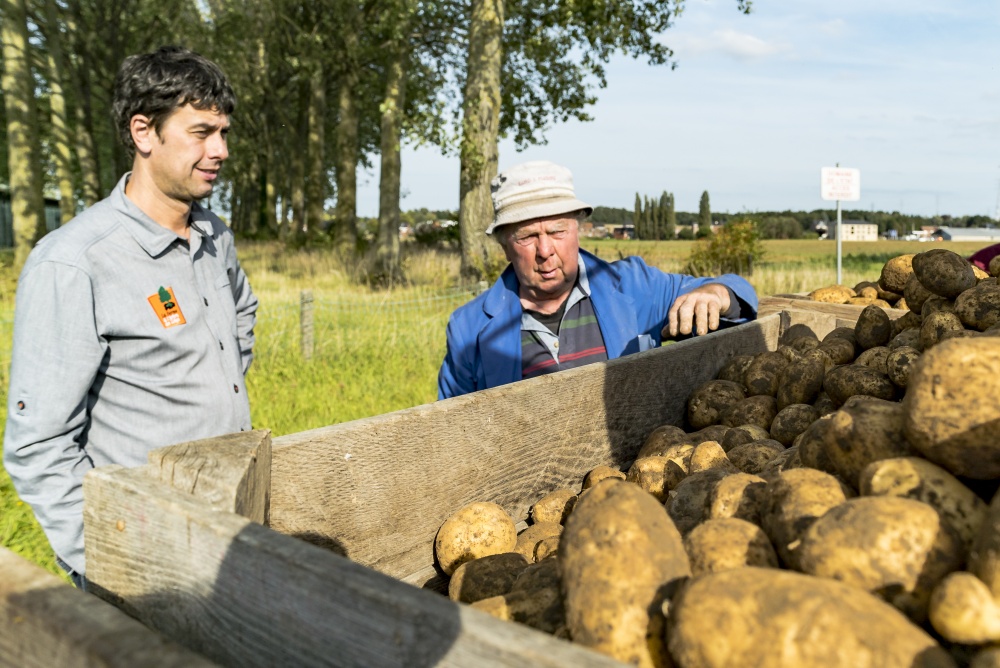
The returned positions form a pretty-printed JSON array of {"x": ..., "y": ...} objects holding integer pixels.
[
  {"x": 777, "y": 303},
  {"x": 377, "y": 489},
  {"x": 230, "y": 472},
  {"x": 245, "y": 595},
  {"x": 45, "y": 622}
]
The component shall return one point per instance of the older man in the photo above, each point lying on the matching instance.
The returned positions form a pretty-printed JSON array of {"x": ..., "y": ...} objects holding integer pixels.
[{"x": 557, "y": 307}]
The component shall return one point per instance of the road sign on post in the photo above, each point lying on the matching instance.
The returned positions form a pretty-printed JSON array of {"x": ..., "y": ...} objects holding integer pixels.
[{"x": 840, "y": 184}]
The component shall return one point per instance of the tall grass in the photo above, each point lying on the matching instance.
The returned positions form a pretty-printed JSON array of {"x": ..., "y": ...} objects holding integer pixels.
[{"x": 380, "y": 350}]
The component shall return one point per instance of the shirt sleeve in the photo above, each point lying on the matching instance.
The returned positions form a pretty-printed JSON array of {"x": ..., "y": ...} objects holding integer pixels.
[
  {"x": 246, "y": 308},
  {"x": 454, "y": 378},
  {"x": 57, "y": 354}
]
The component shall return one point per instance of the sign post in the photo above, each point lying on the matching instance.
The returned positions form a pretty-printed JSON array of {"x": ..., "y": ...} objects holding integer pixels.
[{"x": 840, "y": 184}]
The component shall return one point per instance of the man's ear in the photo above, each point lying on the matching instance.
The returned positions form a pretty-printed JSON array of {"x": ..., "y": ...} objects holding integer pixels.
[{"x": 142, "y": 133}]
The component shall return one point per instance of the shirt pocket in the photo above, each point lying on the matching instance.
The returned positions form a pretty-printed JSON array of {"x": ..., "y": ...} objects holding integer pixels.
[
  {"x": 646, "y": 342},
  {"x": 224, "y": 294}
]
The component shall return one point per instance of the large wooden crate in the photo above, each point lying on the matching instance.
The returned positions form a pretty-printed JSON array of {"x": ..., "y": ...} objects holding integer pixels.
[{"x": 201, "y": 543}]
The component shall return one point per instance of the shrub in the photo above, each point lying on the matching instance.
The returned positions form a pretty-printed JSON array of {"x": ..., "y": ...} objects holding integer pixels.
[{"x": 732, "y": 250}]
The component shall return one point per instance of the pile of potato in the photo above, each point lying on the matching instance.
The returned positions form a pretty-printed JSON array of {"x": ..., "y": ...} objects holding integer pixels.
[{"x": 828, "y": 504}]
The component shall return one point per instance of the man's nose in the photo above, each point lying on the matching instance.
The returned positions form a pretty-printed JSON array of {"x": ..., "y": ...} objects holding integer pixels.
[
  {"x": 545, "y": 247},
  {"x": 218, "y": 147}
]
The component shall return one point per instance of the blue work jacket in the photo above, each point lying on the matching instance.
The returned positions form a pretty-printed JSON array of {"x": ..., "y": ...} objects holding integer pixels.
[{"x": 630, "y": 298}]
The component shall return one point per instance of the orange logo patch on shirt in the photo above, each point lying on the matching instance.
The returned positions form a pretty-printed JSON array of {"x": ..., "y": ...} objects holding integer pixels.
[{"x": 166, "y": 307}]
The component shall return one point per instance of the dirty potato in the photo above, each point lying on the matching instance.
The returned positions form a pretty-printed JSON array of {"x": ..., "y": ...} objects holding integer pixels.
[
  {"x": 663, "y": 438},
  {"x": 656, "y": 475},
  {"x": 759, "y": 410},
  {"x": 709, "y": 401},
  {"x": 843, "y": 382},
  {"x": 895, "y": 273},
  {"x": 554, "y": 507},
  {"x": 726, "y": 543},
  {"x": 599, "y": 473},
  {"x": 476, "y": 530},
  {"x": 528, "y": 539},
  {"x": 761, "y": 377},
  {"x": 687, "y": 502},
  {"x": 488, "y": 576},
  {"x": 710, "y": 455},
  {"x": 979, "y": 308},
  {"x": 735, "y": 368},
  {"x": 963, "y": 610},
  {"x": 908, "y": 338},
  {"x": 874, "y": 358},
  {"x": 535, "y": 598},
  {"x": 937, "y": 327},
  {"x": 916, "y": 294},
  {"x": 898, "y": 365},
  {"x": 841, "y": 350},
  {"x": 740, "y": 495},
  {"x": 873, "y": 328},
  {"x": 943, "y": 272},
  {"x": 791, "y": 421},
  {"x": 619, "y": 554},
  {"x": 849, "y": 543},
  {"x": 951, "y": 411},
  {"x": 833, "y": 294},
  {"x": 743, "y": 434},
  {"x": 800, "y": 382},
  {"x": 908, "y": 320},
  {"x": 753, "y": 457}
]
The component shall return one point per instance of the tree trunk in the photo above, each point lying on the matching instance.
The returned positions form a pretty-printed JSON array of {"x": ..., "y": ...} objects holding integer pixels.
[
  {"x": 316, "y": 179},
  {"x": 480, "y": 130},
  {"x": 298, "y": 191},
  {"x": 26, "y": 203},
  {"x": 387, "y": 252},
  {"x": 347, "y": 148},
  {"x": 60, "y": 127}
]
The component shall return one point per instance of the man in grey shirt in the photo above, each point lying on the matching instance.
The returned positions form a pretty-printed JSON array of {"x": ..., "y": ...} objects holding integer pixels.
[{"x": 134, "y": 322}]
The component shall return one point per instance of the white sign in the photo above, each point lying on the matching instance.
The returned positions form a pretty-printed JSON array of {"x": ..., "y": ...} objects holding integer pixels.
[{"x": 837, "y": 183}]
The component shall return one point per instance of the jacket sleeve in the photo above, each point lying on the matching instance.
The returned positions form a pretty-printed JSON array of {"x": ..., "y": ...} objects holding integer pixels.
[
  {"x": 56, "y": 357},
  {"x": 246, "y": 307},
  {"x": 457, "y": 375},
  {"x": 655, "y": 291}
]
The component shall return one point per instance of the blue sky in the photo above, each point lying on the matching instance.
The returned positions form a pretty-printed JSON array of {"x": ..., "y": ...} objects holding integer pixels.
[{"x": 907, "y": 92}]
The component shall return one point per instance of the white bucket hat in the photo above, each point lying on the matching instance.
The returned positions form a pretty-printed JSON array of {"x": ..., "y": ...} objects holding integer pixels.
[{"x": 535, "y": 189}]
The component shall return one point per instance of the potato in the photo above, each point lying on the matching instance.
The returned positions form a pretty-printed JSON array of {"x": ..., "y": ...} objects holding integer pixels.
[
  {"x": 865, "y": 430},
  {"x": 476, "y": 530},
  {"x": 547, "y": 547},
  {"x": 707, "y": 403},
  {"x": 916, "y": 294},
  {"x": 786, "y": 460},
  {"x": 844, "y": 382},
  {"x": 895, "y": 273},
  {"x": 994, "y": 266},
  {"x": 768, "y": 617},
  {"x": 963, "y": 610},
  {"x": 715, "y": 432},
  {"x": 762, "y": 374},
  {"x": 895, "y": 548},
  {"x": 554, "y": 507},
  {"x": 619, "y": 555},
  {"x": 874, "y": 358},
  {"x": 662, "y": 439},
  {"x": 861, "y": 301},
  {"x": 951, "y": 409},
  {"x": 980, "y": 274},
  {"x": 936, "y": 305},
  {"x": 796, "y": 332},
  {"x": 791, "y": 354},
  {"x": 901, "y": 305},
  {"x": 795, "y": 499},
  {"x": 834, "y": 294},
  {"x": 908, "y": 338},
  {"x": 801, "y": 381},
  {"x": 936, "y": 327},
  {"x": 753, "y": 457},
  {"x": 535, "y": 598},
  {"x": 824, "y": 404},
  {"x": 979, "y": 308},
  {"x": 687, "y": 502},
  {"x": 735, "y": 369},
  {"x": 984, "y": 560},
  {"x": 943, "y": 272},
  {"x": 988, "y": 657},
  {"x": 739, "y": 495},
  {"x": 918, "y": 479},
  {"x": 656, "y": 475},
  {"x": 488, "y": 576},
  {"x": 804, "y": 344},
  {"x": 873, "y": 328},
  {"x": 791, "y": 421},
  {"x": 528, "y": 539},
  {"x": 726, "y": 543},
  {"x": 898, "y": 365},
  {"x": 743, "y": 434},
  {"x": 839, "y": 349},
  {"x": 710, "y": 455},
  {"x": 908, "y": 320},
  {"x": 759, "y": 410},
  {"x": 599, "y": 473}
]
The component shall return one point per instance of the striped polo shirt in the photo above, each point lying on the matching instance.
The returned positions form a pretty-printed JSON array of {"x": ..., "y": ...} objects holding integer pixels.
[{"x": 577, "y": 340}]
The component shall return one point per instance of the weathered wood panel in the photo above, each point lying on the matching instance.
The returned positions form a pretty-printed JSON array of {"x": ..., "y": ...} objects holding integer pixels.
[
  {"x": 247, "y": 596},
  {"x": 45, "y": 622},
  {"x": 230, "y": 472},
  {"x": 851, "y": 312},
  {"x": 378, "y": 489}
]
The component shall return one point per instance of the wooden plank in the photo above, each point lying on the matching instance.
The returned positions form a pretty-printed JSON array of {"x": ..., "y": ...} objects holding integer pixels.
[
  {"x": 245, "y": 595},
  {"x": 231, "y": 472},
  {"x": 777, "y": 303},
  {"x": 46, "y": 622},
  {"x": 377, "y": 489}
]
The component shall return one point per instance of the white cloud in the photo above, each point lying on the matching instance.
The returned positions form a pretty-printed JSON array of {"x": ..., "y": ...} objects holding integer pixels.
[
  {"x": 834, "y": 28},
  {"x": 739, "y": 45}
]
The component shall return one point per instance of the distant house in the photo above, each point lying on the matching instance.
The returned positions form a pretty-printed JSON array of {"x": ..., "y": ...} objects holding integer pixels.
[
  {"x": 984, "y": 234},
  {"x": 623, "y": 232},
  {"x": 53, "y": 217},
  {"x": 853, "y": 230}
]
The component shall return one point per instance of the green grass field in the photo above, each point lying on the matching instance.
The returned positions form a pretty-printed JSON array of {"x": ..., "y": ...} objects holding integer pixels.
[{"x": 379, "y": 351}]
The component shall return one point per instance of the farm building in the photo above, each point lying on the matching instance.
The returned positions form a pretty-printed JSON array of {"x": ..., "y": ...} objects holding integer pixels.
[
  {"x": 854, "y": 230},
  {"x": 985, "y": 234}
]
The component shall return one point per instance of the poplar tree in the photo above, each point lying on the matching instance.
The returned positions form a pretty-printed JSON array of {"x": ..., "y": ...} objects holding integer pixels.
[{"x": 704, "y": 211}]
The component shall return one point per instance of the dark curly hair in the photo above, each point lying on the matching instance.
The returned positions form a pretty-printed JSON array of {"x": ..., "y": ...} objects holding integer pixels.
[{"x": 157, "y": 84}]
